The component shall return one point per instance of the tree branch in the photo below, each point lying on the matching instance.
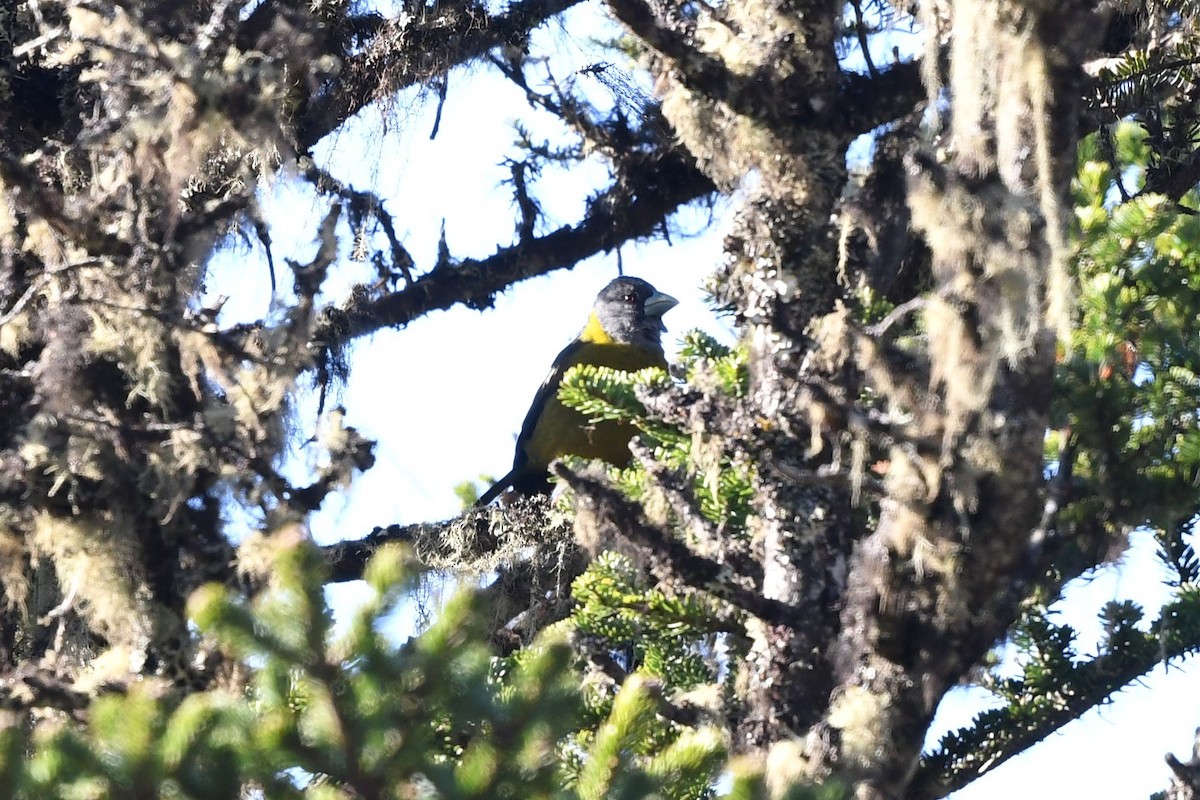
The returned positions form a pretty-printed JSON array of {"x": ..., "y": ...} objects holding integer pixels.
[
  {"x": 28, "y": 687},
  {"x": 865, "y": 102},
  {"x": 478, "y": 541},
  {"x": 408, "y": 51},
  {"x": 1185, "y": 785},
  {"x": 1000, "y": 734},
  {"x": 674, "y": 557},
  {"x": 630, "y": 209}
]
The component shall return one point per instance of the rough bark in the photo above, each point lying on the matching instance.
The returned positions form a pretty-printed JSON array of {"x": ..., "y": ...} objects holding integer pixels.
[
  {"x": 886, "y": 618},
  {"x": 136, "y": 138},
  {"x": 136, "y": 133},
  {"x": 1185, "y": 778}
]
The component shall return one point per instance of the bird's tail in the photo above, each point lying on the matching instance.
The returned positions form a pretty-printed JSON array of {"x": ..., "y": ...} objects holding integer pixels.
[{"x": 496, "y": 489}]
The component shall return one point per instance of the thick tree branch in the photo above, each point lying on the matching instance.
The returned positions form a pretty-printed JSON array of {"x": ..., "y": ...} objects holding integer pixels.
[
  {"x": 674, "y": 557},
  {"x": 28, "y": 687},
  {"x": 865, "y": 101},
  {"x": 631, "y": 208},
  {"x": 932, "y": 587},
  {"x": 662, "y": 27},
  {"x": 677, "y": 490},
  {"x": 479, "y": 541},
  {"x": 408, "y": 51},
  {"x": 868, "y": 101}
]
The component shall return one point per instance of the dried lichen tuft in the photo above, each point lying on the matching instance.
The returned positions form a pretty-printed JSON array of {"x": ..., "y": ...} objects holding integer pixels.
[
  {"x": 98, "y": 567},
  {"x": 862, "y": 716},
  {"x": 999, "y": 79},
  {"x": 14, "y": 572}
]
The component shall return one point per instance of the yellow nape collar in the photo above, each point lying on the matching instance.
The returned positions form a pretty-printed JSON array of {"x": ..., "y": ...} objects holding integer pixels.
[{"x": 594, "y": 332}]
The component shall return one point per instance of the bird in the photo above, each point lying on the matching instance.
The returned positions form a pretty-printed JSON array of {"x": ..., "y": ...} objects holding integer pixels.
[{"x": 623, "y": 331}]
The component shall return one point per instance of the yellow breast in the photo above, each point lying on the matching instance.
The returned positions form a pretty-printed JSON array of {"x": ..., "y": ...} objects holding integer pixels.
[{"x": 562, "y": 431}]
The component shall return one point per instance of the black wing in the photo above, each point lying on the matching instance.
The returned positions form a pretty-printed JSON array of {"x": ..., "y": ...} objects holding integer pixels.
[
  {"x": 549, "y": 388},
  {"x": 546, "y": 392}
]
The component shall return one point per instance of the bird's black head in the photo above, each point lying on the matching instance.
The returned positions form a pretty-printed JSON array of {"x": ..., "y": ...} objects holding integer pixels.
[{"x": 630, "y": 310}]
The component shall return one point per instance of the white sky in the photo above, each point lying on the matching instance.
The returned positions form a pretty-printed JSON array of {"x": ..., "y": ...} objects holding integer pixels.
[{"x": 445, "y": 396}]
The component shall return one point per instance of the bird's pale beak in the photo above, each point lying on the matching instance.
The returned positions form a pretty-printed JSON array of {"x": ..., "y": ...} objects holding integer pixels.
[{"x": 658, "y": 304}]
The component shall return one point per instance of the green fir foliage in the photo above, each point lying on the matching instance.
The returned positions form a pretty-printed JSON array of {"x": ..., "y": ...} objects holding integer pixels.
[
  {"x": 669, "y": 637},
  {"x": 1127, "y": 405},
  {"x": 604, "y": 393},
  {"x": 702, "y": 355},
  {"x": 661, "y": 641},
  {"x": 628, "y": 759},
  {"x": 337, "y": 716},
  {"x": 1130, "y": 389},
  {"x": 324, "y": 716},
  {"x": 723, "y": 486},
  {"x": 664, "y": 633},
  {"x": 1056, "y": 686}
]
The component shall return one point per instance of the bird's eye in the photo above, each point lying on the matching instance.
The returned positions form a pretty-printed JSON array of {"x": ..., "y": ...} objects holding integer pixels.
[{"x": 630, "y": 297}]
